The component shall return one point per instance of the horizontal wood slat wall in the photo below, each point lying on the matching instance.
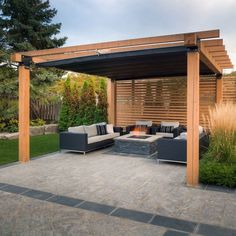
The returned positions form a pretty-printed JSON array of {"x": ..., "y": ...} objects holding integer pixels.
[
  {"x": 229, "y": 89},
  {"x": 162, "y": 99}
]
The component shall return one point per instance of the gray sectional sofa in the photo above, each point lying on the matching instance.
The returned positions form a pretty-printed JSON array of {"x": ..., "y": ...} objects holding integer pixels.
[
  {"x": 85, "y": 138},
  {"x": 175, "y": 150}
]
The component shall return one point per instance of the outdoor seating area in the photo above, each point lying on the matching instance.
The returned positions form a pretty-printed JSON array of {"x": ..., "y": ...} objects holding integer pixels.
[{"x": 164, "y": 142}]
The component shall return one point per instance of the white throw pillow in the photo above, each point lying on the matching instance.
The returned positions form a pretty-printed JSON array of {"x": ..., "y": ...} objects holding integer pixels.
[
  {"x": 91, "y": 130},
  {"x": 170, "y": 123},
  {"x": 200, "y": 129},
  {"x": 110, "y": 129},
  {"x": 77, "y": 129}
]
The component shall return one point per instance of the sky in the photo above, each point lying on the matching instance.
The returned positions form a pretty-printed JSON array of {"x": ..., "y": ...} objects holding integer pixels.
[{"x": 91, "y": 21}]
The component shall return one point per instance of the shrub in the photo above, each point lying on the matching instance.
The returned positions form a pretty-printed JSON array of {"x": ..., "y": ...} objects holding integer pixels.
[
  {"x": 8, "y": 125},
  {"x": 217, "y": 173},
  {"x": 83, "y": 105},
  {"x": 37, "y": 122},
  {"x": 70, "y": 106},
  {"x": 87, "y": 104},
  {"x": 218, "y": 165}
]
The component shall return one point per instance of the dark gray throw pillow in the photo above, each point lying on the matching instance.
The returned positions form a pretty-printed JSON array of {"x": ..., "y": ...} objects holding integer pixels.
[
  {"x": 101, "y": 129},
  {"x": 167, "y": 129}
]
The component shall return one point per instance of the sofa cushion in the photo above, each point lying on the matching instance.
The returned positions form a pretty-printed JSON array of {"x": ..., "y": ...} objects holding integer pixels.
[
  {"x": 77, "y": 129},
  {"x": 147, "y": 123},
  {"x": 90, "y": 130},
  {"x": 170, "y": 123},
  {"x": 100, "y": 138},
  {"x": 110, "y": 129}
]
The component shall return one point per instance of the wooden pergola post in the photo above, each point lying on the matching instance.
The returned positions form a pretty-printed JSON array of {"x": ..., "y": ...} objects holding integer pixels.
[
  {"x": 193, "y": 118},
  {"x": 219, "y": 89},
  {"x": 111, "y": 98},
  {"x": 24, "y": 115}
]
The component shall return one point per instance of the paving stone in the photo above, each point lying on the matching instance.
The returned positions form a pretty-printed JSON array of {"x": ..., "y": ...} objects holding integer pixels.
[
  {"x": 174, "y": 223},
  {"x": 38, "y": 194},
  {"x": 174, "y": 233},
  {"x": 67, "y": 201},
  {"x": 14, "y": 189},
  {"x": 211, "y": 230},
  {"x": 133, "y": 215},
  {"x": 2, "y": 185},
  {"x": 93, "y": 206}
]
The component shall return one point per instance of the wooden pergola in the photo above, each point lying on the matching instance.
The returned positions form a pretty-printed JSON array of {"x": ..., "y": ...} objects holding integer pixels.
[{"x": 188, "y": 54}]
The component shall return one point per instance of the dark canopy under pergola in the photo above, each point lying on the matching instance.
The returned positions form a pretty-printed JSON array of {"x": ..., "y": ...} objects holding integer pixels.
[
  {"x": 148, "y": 63},
  {"x": 190, "y": 54}
]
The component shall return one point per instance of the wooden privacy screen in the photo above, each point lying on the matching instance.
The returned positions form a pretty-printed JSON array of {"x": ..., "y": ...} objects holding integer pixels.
[
  {"x": 229, "y": 89},
  {"x": 163, "y": 99}
]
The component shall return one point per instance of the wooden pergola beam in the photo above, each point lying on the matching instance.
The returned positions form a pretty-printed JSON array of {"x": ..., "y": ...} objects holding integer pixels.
[
  {"x": 193, "y": 78},
  {"x": 24, "y": 113},
  {"x": 207, "y": 58},
  {"x": 111, "y": 98},
  {"x": 226, "y": 66},
  {"x": 212, "y": 42},
  {"x": 216, "y": 48},
  {"x": 102, "y": 51},
  {"x": 123, "y": 43}
]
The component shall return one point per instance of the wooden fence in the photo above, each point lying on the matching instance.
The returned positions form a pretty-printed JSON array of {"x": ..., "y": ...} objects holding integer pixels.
[
  {"x": 229, "y": 89},
  {"x": 46, "y": 111},
  {"x": 165, "y": 99}
]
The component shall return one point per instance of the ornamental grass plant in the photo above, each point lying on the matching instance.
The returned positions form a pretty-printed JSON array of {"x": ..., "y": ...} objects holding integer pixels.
[
  {"x": 218, "y": 165},
  {"x": 222, "y": 127}
]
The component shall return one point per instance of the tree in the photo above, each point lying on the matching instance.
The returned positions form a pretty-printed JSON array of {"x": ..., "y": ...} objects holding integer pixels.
[
  {"x": 87, "y": 103},
  {"x": 65, "y": 108},
  {"x": 27, "y": 25}
]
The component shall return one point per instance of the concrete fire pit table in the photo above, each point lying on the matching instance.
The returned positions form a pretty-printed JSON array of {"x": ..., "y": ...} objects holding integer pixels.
[{"x": 141, "y": 144}]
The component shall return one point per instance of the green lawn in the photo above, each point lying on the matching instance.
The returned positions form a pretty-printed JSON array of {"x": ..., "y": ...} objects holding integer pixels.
[{"x": 39, "y": 145}]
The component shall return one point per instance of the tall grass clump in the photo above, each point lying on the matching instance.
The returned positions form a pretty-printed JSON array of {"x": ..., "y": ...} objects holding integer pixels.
[
  {"x": 222, "y": 127},
  {"x": 218, "y": 165}
]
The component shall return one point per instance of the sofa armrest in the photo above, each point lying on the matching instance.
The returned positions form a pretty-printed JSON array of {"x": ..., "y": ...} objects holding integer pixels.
[
  {"x": 73, "y": 141},
  {"x": 177, "y": 131},
  {"x": 118, "y": 130},
  {"x": 172, "y": 149}
]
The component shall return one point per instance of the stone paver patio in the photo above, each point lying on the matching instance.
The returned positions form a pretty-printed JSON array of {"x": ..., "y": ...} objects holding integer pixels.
[{"x": 109, "y": 195}]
